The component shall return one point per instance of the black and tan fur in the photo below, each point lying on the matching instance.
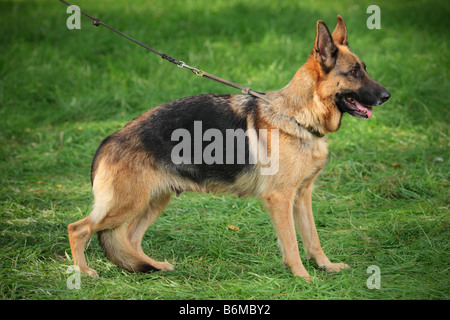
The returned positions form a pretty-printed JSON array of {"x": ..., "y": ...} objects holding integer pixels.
[{"x": 133, "y": 176}]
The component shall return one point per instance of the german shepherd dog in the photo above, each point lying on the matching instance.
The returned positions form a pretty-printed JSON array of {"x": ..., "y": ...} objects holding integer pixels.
[{"x": 134, "y": 174}]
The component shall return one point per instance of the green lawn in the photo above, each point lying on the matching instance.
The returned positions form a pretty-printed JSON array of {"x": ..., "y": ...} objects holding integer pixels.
[{"x": 382, "y": 199}]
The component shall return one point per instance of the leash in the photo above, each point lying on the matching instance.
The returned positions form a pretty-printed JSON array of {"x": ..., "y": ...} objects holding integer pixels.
[{"x": 181, "y": 64}]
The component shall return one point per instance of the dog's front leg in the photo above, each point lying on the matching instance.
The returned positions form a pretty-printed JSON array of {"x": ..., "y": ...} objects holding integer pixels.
[
  {"x": 280, "y": 207},
  {"x": 304, "y": 222}
]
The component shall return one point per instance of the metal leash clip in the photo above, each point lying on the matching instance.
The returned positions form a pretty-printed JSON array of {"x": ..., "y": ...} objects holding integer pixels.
[{"x": 196, "y": 71}]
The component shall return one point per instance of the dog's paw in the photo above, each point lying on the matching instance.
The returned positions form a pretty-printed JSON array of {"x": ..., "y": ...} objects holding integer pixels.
[
  {"x": 165, "y": 266},
  {"x": 90, "y": 272},
  {"x": 309, "y": 279},
  {"x": 334, "y": 267},
  {"x": 305, "y": 276}
]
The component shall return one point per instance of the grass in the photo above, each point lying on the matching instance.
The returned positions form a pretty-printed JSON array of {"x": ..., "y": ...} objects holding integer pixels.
[{"x": 382, "y": 199}]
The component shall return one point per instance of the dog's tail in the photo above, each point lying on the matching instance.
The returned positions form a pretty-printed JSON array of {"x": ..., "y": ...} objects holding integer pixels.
[{"x": 118, "y": 249}]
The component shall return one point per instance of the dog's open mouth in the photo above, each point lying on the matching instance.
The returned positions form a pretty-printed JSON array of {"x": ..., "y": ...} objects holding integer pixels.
[{"x": 356, "y": 108}]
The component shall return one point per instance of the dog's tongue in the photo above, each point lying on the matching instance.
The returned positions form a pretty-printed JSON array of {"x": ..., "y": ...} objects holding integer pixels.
[{"x": 362, "y": 108}]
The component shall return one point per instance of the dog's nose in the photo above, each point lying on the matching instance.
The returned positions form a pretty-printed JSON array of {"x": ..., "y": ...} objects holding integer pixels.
[{"x": 385, "y": 95}]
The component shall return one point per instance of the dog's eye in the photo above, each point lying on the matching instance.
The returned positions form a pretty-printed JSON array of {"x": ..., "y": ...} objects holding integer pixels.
[
  {"x": 355, "y": 71},
  {"x": 352, "y": 73}
]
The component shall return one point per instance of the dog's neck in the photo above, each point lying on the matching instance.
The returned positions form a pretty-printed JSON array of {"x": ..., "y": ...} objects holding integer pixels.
[
  {"x": 297, "y": 108},
  {"x": 289, "y": 109}
]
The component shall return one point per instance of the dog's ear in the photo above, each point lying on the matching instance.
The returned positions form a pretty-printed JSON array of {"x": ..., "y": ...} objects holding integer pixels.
[
  {"x": 340, "y": 32},
  {"x": 325, "y": 51}
]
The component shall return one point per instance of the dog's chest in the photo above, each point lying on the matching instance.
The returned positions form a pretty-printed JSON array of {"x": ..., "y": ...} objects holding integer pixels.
[{"x": 302, "y": 160}]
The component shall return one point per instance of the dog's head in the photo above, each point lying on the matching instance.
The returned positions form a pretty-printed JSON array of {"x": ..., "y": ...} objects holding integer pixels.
[{"x": 343, "y": 75}]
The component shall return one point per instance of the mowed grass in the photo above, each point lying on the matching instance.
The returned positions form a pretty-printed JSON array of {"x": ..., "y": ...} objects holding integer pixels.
[{"x": 382, "y": 199}]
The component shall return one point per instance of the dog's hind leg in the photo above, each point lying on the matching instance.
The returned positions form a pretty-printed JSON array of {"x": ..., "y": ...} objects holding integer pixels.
[
  {"x": 79, "y": 233},
  {"x": 112, "y": 209},
  {"x": 138, "y": 225},
  {"x": 123, "y": 190},
  {"x": 121, "y": 193}
]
